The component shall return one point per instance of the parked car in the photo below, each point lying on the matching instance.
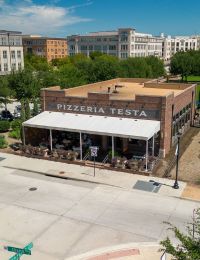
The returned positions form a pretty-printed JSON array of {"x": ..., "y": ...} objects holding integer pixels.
[
  {"x": 17, "y": 111},
  {"x": 6, "y": 115}
]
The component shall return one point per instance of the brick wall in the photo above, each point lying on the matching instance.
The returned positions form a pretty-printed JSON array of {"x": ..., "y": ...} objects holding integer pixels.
[{"x": 53, "y": 96}]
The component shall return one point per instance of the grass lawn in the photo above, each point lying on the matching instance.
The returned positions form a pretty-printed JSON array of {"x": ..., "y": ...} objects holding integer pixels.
[
  {"x": 198, "y": 93},
  {"x": 193, "y": 78}
]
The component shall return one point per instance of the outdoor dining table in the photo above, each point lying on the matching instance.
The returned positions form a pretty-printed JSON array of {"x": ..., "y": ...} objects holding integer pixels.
[{"x": 60, "y": 146}]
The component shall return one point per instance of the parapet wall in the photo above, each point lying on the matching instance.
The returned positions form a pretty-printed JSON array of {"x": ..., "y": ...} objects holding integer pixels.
[{"x": 176, "y": 86}]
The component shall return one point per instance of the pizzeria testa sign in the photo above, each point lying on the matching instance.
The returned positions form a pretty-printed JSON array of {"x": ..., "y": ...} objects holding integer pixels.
[{"x": 97, "y": 110}]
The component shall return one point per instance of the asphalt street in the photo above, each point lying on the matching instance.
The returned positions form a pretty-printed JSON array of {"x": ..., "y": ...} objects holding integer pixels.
[{"x": 65, "y": 218}]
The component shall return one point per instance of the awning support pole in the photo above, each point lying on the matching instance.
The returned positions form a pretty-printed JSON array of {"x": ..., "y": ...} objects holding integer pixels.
[
  {"x": 113, "y": 148},
  {"x": 146, "y": 155},
  {"x": 50, "y": 131},
  {"x": 81, "y": 150},
  {"x": 24, "y": 140},
  {"x": 153, "y": 145}
]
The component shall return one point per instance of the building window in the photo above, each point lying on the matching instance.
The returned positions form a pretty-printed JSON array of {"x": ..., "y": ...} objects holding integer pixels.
[
  {"x": 72, "y": 47},
  {"x": 13, "y": 54},
  {"x": 112, "y": 47},
  {"x": 97, "y": 47},
  {"x": 13, "y": 66},
  {"x": 83, "y": 47},
  {"x": 19, "y": 65},
  {"x": 19, "y": 54},
  {"x": 124, "y": 47},
  {"x": 124, "y": 55},
  {"x": 5, "y": 66},
  {"x": 104, "y": 47},
  {"x": 5, "y": 54}
]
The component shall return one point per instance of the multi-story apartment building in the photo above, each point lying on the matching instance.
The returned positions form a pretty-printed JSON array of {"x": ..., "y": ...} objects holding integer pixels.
[
  {"x": 172, "y": 45},
  {"x": 123, "y": 43},
  {"x": 11, "y": 51},
  {"x": 49, "y": 48}
]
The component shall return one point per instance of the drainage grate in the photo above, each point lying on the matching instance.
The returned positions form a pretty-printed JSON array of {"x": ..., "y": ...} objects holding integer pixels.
[
  {"x": 1, "y": 158},
  {"x": 33, "y": 189},
  {"x": 150, "y": 186}
]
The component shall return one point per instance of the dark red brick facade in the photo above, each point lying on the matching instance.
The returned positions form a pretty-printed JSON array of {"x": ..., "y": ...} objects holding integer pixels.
[{"x": 165, "y": 107}]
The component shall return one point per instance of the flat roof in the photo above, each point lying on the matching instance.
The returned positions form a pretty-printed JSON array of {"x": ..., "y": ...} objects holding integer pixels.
[
  {"x": 92, "y": 124},
  {"x": 38, "y": 37},
  {"x": 128, "y": 90}
]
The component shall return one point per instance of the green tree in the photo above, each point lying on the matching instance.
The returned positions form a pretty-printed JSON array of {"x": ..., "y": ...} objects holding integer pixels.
[
  {"x": 26, "y": 87},
  {"x": 60, "y": 62},
  {"x": 5, "y": 91},
  {"x": 35, "y": 107},
  {"x": 188, "y": 247},
  {"x": 95, "y": 54},
  {"x": 104, "y": 67},
  {"x": 36, "y": 63},
  {"x": 182, "y": 63},
  {"x": 157, "y": 66},
  {"x": 70, "y": 76},
  {"x": 135, "y": 68}
]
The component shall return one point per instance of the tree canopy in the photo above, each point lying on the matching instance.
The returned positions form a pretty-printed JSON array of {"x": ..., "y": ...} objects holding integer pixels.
[
  {"x": 186, "y": 63},
  {"x": 188, "y": 247},
  {"x": 79, "y": 69}
]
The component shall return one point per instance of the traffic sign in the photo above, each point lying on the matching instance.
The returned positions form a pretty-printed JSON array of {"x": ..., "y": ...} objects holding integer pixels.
[
  {"x": 93, "y": 151},
  {"x": 20, "y": 251},
  {"x": 16, "y": 257}
]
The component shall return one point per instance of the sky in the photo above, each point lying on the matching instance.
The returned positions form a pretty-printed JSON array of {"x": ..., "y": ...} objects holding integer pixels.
[{"x": 65, "y": 17}]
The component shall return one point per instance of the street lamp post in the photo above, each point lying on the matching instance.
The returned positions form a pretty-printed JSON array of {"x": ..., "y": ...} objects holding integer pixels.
[{"x": 176, "y": 186}]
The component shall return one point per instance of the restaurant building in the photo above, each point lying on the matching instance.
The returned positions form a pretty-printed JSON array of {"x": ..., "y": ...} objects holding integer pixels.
[{"x": 133, "y": 118}]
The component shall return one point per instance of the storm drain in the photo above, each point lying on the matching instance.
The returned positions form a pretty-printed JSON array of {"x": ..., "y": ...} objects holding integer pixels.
[
  {"x": 1, "y": 158},
  {"x": 33, "y": 189},
  {"x": 150, "y": 186}
]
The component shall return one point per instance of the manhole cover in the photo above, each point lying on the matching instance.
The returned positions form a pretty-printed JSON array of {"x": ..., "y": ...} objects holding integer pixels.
[
  {"x": 33, "y": 189},
  {"x": 150, "y": 186}
]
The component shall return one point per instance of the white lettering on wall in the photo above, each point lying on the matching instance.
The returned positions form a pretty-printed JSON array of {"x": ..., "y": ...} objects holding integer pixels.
[
  {"x": 101, "y": 110},
  {"x": 142, "y": 113},
  {"x": 127, "y": 112},
  {"x": 59, "y": 106},
  {"x": 112, "y": 110},
  {"x": 107, "y": 110}
]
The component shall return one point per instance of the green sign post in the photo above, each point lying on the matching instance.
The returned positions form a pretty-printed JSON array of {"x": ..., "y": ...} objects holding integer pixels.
[{"x": 19, "y": 251}]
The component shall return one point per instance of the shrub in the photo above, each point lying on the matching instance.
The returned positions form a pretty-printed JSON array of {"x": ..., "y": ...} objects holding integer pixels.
[
  {"x": 4, "y": 126},
  {"x": 110, "y": 154},
  {"x": 15, "y": 133},
  {"x": 3, "y": 143},
  {"x": 16, "y": 124}
]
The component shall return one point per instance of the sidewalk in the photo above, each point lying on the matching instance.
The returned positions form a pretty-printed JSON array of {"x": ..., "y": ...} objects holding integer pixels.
[
  {"x": 133, "y": 251},
  {"x": 83, "y": 173},
  {"x": 191, "y": 192}
]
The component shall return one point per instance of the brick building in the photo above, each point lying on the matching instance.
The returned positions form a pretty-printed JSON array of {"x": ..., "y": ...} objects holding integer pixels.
[
  {"x": 128, "y": 115},
  {"x": 49, "y": 48}
]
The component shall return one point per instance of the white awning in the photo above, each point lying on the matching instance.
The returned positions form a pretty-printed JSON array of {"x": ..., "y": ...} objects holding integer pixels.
[{"x": 92, "y": 124}]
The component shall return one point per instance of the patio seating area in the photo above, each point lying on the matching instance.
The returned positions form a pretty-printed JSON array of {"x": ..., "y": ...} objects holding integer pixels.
[{"x": 44, "y": 152}]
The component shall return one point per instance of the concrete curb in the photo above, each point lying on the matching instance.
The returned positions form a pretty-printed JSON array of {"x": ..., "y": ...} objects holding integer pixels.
[{"x": 99, "y": 252}]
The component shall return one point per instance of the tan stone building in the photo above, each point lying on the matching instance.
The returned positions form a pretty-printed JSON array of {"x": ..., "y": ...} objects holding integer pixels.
[{"x": 50, "y": 48}]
